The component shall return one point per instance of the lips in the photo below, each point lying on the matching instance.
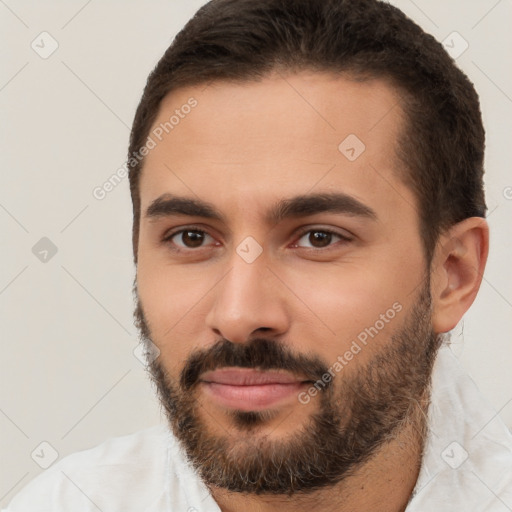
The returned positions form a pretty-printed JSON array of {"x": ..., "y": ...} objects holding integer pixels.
[{"x": 246, "y": 389}]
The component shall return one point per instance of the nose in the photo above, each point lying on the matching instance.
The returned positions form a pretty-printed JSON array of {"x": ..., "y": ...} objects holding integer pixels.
[{"x": 248, "y": 299}]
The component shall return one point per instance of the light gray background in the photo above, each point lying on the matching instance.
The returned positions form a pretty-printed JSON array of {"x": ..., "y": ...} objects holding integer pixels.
[{"x": 68, "y": 373}]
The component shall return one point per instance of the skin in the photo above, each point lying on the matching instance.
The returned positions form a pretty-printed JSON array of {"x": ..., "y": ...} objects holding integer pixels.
[{"x": 242, "y": 149}]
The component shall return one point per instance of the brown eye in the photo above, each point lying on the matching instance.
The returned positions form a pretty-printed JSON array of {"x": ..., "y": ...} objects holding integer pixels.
[
  {"x": 319, "y": 238},
  {"x": 189, "y": 238},
  {"x": 192, "y": 238}
]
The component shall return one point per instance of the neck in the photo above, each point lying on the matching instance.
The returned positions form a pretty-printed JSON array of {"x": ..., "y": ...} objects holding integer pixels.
[{"x": 385, "y": 482}]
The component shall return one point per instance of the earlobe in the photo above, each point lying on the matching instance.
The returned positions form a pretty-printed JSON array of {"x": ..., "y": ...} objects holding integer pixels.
[{"x": 457, "y": 270}]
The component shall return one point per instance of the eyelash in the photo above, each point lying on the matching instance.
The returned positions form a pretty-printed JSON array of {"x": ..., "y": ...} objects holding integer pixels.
[{"x": 168, "y": 238}]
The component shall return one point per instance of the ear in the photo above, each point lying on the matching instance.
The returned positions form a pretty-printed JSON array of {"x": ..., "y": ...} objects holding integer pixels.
[{"x": 457, "y": 270}]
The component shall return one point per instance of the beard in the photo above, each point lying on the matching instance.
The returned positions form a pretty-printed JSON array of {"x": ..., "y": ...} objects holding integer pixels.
[{"x": 356, "y": 414}]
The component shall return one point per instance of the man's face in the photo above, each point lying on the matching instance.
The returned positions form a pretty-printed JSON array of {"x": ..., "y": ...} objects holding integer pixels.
[{"x": 326, "y": 299}]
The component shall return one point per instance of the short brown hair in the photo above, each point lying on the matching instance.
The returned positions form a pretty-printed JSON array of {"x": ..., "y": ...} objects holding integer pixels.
[{"x": 442, "y": 146}]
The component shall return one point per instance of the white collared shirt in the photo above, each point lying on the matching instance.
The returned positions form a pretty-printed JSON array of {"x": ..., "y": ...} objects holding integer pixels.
[{"x": 466, "y": 467}]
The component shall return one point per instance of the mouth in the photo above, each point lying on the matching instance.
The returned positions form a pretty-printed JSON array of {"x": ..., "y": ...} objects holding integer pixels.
[{"x": 247, "y": 389}]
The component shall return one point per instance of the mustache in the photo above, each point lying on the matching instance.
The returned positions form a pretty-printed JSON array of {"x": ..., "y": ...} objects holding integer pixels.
[{"x": 258, "y": 353}]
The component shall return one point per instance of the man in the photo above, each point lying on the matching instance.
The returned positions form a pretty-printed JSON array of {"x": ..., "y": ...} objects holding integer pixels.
[{"x": 309, "y": 224}]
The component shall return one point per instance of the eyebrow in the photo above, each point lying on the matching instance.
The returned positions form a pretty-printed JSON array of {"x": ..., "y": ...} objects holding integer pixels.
[{"x": 169, "y": 205}]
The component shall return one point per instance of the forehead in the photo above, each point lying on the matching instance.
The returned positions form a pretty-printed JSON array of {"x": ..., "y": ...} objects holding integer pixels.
[{"x": 282, "y": 136}]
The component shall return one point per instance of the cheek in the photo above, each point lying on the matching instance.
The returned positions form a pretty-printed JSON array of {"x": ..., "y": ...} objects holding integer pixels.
[
  {"x": 167, "y": 290},
  {"x": 171, "y": 300},
  {"x": 351, "y": 304}
]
